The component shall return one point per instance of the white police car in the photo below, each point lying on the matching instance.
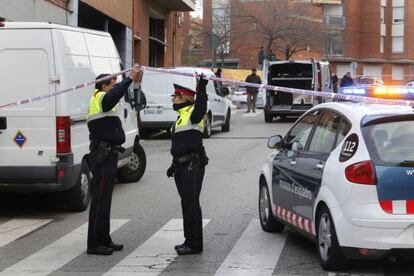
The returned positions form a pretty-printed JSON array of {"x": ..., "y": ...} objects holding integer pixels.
[{"x": 344, "y": 177}]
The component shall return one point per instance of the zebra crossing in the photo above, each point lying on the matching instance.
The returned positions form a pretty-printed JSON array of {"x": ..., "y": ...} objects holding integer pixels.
[{"x": 254, "y": 253}]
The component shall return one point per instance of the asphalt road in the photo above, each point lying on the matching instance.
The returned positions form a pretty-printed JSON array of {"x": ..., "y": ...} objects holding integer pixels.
[{"x": 38, "y": 237}]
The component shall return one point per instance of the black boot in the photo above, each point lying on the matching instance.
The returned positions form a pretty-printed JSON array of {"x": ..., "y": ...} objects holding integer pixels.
[
  {"x": 115, "y": 247},
  {"x": 188, "y": 250},
  {"x": 100, "y": 250}
]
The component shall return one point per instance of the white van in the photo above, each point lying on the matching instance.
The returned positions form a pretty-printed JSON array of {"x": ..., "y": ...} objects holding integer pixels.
[
  {"x": 309, "y": 75},
  {"x": 159, "y": 114},
  {"x": 44, "y": 144}
]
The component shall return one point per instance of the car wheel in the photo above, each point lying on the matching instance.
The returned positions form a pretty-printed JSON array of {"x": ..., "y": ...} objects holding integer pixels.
[
  {"x": 135, "y": 168},
  {"x": 329, "y": 252},
  {"x": 78, "y": 197},
  {"x": 268, "y": 117},
  {"x": 267, "y": 220},
  {"x": 207, "y": 126},
  {"x": 226, "y": 126}
]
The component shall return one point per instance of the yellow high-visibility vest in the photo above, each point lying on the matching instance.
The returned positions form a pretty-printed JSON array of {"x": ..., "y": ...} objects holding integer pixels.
[
  {"x": 183, "y": 123},
  {"x": 95, "y": 107}
]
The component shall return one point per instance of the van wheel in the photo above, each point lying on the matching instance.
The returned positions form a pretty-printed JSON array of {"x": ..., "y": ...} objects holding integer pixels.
[
  {"x": 226, "y": 126},
  {"x": 329, "y": 252},
  {"x": 135, "y": 168},
  {"x": 267, "y": 220},
  {"x": 207, "y": 126},
  {"x": 78, "y": 197}
]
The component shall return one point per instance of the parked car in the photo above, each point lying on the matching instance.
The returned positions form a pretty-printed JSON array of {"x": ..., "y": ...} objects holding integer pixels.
[
  {"x": 309, "y": 75},
  {"x": 159, "y": 114},
  {"x": 239, "y": 98},
  {"x": 369, "y": 81},
  {"x": 44, "y": 145},
  {"x": 342, "y": 176}
]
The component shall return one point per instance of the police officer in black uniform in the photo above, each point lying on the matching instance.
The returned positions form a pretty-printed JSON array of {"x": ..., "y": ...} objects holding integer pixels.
[
  {"x": 189, "y": 161},
  {"x": 106, "y": 135}
]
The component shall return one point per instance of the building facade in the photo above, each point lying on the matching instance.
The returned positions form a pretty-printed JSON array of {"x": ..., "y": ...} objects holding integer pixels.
[
  {"x": 371, "y": 38},
  {"x": 55, "y": 11},
  {"x": 158, "y": 31},
  {"x": 240, "y": 43},
  {"x": 144, "y": 31}
]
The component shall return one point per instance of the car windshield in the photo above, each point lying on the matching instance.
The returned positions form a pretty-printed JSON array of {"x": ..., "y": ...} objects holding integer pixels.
[{"x": 390, "y": 143}]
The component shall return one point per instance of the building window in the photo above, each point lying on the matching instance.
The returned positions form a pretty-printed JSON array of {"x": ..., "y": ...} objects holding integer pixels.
[
  {"x": 382, "y": 15},
  {"x": 382, "y": 42},
  {"x": 398, "y": 44},
  {"x": 397, "y": 73},
  {"x": 398, "y": 15},
  {"x": 156, "y": 42},
  {"x": 334, "y": 45},
  {"x": 373, "y": 70}
]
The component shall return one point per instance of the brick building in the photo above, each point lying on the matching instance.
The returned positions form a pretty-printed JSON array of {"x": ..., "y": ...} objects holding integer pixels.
[
  {"x": 146, "y": 31},
  {"x": 158, "y": 28},
  {"x": 242, "y": 49},
  {"x": 56, "y": 11},
  {"x": 377, "y": 35}
]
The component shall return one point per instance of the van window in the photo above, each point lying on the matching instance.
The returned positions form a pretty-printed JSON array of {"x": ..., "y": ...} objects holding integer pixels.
[
  {"x": 292, "y": 70},
  {"x": 211, "y": 88}
]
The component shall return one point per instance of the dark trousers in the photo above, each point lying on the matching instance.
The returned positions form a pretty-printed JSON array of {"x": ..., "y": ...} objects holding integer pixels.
[
  {"x": 188, "y": 178},
  {"x": 251, "y": 101},
  {"x": 102, "y": 186}
]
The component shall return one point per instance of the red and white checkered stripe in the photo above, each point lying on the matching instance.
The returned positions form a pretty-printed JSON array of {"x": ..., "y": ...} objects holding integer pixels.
[
  {"x": 295, "y": 220},
  {"x": 398, "y": 207}
]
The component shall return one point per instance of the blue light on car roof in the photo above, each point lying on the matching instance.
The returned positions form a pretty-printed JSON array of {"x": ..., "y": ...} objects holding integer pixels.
[{"x": 354, "y": 91}]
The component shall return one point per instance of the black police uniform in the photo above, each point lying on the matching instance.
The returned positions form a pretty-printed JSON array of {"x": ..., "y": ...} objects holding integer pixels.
[
  {"x": 106, "y": 136},
  {"x": 189, "y": 161}
]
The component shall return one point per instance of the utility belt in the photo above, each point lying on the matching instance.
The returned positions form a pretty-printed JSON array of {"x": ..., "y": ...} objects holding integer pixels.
[
  {"x": 103, "y": 149},
  {"x": 189, "y": 157}
]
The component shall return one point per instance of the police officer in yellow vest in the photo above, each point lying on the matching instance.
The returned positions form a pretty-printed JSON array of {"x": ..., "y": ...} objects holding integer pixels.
[
  {"x": 189, "y": 161},
  {"x": 106, "y": 135}
]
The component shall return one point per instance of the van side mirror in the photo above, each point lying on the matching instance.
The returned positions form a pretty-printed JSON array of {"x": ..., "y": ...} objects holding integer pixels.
[
  {"x": 274, "y": 142},
  {"x": 140, "y": 102},
  {"x": 225, "y": 91}
]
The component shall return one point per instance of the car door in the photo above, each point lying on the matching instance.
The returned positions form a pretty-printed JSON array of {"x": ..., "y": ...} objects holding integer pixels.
[
  {"x": 284, "y": 163},
  {"x": 310, "y": 163},
  {"x": 215, "y": 103}
]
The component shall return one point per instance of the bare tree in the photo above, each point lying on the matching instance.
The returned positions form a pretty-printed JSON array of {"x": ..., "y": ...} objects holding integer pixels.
[
  {"x": 283, "y": 23},
  {"x": 220, "y": 27}
]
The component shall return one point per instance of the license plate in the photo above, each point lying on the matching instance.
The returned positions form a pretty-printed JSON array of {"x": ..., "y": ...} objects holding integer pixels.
[{"x": 153, "y": 111}]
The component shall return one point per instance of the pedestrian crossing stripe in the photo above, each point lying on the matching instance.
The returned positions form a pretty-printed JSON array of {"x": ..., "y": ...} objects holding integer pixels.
[
  {"x": 17, "y": 228},
  {"x": 154, "y": 255},
  {"x": 56, "y": 254},
  {"x": 255, "y": 253}
]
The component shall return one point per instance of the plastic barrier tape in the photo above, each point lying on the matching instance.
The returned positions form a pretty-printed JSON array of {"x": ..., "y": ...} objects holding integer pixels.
[{"x": 329, "y": 95}]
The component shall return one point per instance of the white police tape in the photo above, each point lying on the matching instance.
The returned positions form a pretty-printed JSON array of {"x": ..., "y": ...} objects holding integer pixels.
[
  {"x": 329, "y": 95},
  {"x": 73, "y": 88}
]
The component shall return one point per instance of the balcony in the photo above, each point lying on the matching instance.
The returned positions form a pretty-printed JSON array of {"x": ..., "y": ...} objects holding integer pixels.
[
  {"x": 334, "y": 21},
  {"x": 178, "y": 5}
]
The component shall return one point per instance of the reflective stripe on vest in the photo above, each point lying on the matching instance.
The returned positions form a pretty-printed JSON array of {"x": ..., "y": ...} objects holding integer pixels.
[
  {"x": 183, "y": 123},
  {"x": 95, "y": 107}
]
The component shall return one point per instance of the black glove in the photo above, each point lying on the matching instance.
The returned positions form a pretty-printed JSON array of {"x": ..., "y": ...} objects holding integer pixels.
[
  {"x": 201, "y": 83},
  {"x": 171, "y": 170}
]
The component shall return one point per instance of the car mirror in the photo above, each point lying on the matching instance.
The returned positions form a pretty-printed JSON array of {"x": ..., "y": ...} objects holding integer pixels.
[
  {"x": 140, "y": 102},
  {"x": 274, "y": 142},
  {"x": 225, "y": 91}
]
